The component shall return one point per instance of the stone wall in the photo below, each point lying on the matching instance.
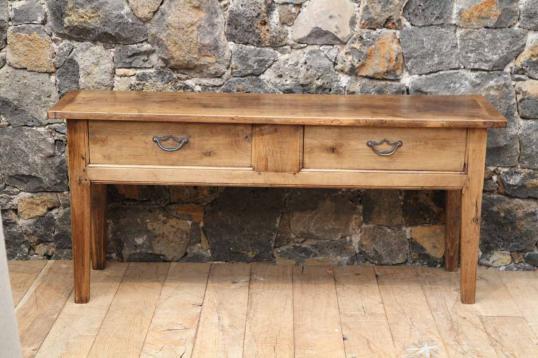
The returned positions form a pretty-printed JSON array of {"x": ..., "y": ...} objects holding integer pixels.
[{"x": 48, "y": 48}]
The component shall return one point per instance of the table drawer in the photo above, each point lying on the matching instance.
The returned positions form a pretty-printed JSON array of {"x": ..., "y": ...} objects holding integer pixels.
[
  {"x": 384, "y": 148},
  {"x": 143, "y": 143}
]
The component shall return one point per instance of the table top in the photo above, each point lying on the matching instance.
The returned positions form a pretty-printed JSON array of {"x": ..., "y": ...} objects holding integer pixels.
[{"x": 287, "y": 109}]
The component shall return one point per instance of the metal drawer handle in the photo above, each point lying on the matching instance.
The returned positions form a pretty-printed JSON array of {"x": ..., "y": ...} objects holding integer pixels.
[
  {"x": 180, "y": 142},
  {"x": 394, "y": 146}
]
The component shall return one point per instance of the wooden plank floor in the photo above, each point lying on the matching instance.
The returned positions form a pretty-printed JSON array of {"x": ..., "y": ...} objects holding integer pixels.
[{"x": 263, "y": 310}]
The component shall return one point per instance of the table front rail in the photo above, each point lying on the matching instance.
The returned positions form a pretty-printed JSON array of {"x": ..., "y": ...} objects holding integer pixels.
[{"x": 131, "y": 174}]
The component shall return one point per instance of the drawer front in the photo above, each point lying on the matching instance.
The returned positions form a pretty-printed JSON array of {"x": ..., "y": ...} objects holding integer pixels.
[
  {"x": 365, "y": 148},
  {"x": 143, "y": 143}
]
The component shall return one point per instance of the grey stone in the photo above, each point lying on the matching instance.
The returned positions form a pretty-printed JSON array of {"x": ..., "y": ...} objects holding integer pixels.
[
  {"x": 249, "y": 60},
  {"x": 16, "y": 116},
  {"x": 306, "y": 70},
  {"x": 428, "y": 12},
  {"x": 480, "y": 13},
  {"x": 508, "y": 224},
  {"x": 368, "y": 86},
  {"x": 529, "y": 14},
  {"x": 134, "y": 56},
  {"x": 527, "y": 62},
  {"x": 241, "y": 224},
  {"x": 107, "y": 21},
  {"x": 250, "y": 23},
  {"x": 529, "y": 144},
  {"x": 249, "y": 84},
  {"x": 4, "y": 22},
  {"x": 17, "y": 246},
  {"x": 35, "y": 159},
  {"x": 27, "y": 12},
  {"x": 195, "y": 46},
  {"x": 31, "y": 92},
  {"x": 2, "y": 60},
  {"x": 532, "y": 258},
  {"x": 374, "y": 54},
  {"x": 382, "y": 207},
  {"x": 29, "y": 238},
  {"x": 67, "y": 76},
  {"x": 520, "y": 183},
  {"x": 429, "y": 49},
  {"x": 148, "y": 233},
  {"x": 63, "y": 52},
  {"x": 490, "y": 49},
  {"x": 320, "y": 215},
  {"x": 95, "y": 66},
  {"x": 323, "y": 22},
  {"x": 333, "y": 252},
  {"x": 503, "y": 144},
  {"x": 527, "y": 98},
  {"x": 423, "y": 207},
  {"x": 144, "y": 9},
  {"x": 383, "y": 245},
  {"x": 381, "y": 13},
  {"x": 163, "y": 80}
]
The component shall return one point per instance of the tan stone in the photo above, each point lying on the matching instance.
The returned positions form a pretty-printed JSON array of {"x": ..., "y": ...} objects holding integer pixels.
[
  {"x": 498, "y": 259},
  {"x": 36, "y": 205},
  {"x": 30, "y": 47},
  {"x": 385, "y": 56},
  {"x": 324, "y": 22},
  {"x": 287, "y": 13},
  {"x": 194, "y": 212},
  {"x": 431, "y": 238},
  {"x": 484, "y": 11},
  {"x": 374, "y": 54},
  {"x": 144, "y": 9},
  {"x": 189, "y": 36},
  {"x": 125, "y": 72}
]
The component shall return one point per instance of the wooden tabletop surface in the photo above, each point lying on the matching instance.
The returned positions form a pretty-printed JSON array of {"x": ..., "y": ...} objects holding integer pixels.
[{"x": 292, "y": 109}]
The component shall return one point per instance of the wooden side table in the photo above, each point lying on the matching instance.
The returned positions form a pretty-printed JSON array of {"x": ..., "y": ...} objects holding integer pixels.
[{"x": 399, "y": 142}]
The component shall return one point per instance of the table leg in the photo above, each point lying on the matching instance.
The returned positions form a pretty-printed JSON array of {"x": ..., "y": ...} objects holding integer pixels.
[
  {"x": 80, "y": 207},
  {"x": 452, "y": 229},
  {"x": 471, "y": 205},
  {"x": 98, "y": 226}
]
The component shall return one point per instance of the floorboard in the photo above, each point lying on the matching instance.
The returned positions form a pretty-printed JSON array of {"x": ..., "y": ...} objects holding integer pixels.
[
  {"x": 22, "y": 274},
  {"x": 318, "y": 331},
  {"x": 459, "y": 325},
  {"x": 364, "y": 322},
  {"x": 74, "y": 331},
  {"x": 176, "y": 317},
  {"x": 127, "y": 321},
  {"x": 221, "y": 330},
  {"x": 42, "y": 304},
  {"x": 269, "y": 326},
  {"x": 411, "y": 322}
]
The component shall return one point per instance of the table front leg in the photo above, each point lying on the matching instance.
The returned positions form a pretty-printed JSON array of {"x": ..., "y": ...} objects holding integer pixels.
[
  {"x": 98, "y": 229},
  {"x": 80, "y": 207},
  {"x": 471, "y": 205}
]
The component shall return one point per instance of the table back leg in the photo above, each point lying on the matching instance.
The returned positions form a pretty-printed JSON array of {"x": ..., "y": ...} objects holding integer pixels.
[
  {"x": 471, "y": 205},
  {"x": 80, "y": 206},
  {"x": 98, "y": 226},
  {"x": 453, "y": 229}
]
